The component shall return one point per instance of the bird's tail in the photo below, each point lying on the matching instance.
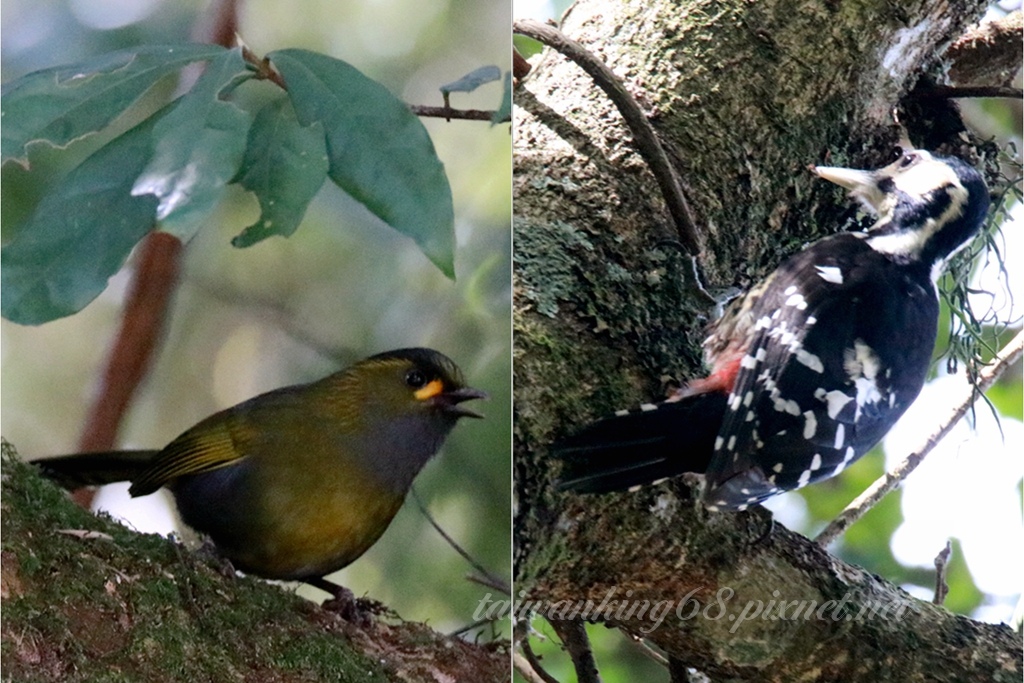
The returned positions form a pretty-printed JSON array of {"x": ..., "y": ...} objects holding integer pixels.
[
  {"x": 642, "y": 446},
  {"x": 94, "y": 469}
]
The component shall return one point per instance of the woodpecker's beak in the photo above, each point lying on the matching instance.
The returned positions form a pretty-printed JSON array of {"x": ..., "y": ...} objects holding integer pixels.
[
  {"x": 450, "y": 401},
  {"x": 863, "y": 185},
  {"x": 850, "y": 178}
]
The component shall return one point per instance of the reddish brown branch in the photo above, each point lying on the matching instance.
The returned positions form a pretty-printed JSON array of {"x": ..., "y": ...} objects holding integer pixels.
[
  {"x": 151, "y": 288},
  {"x": 222, "y": 28},
  {"x": 145, "y": 308},
  {"x": 153, "y": 282}
]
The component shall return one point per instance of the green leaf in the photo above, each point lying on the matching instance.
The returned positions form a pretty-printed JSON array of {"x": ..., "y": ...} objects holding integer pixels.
[
  {"x": 199, "y": 148},
  {"x": 473, "y": 80},
  {"x": 285, "y": 164},
  {"x": 80, "y": 234},
  {"x": 503, "y": 113},
  {"x": 62, "y": 104},
  {"x": 379, "y": 152},
  {"x": 527, "y": 47}
]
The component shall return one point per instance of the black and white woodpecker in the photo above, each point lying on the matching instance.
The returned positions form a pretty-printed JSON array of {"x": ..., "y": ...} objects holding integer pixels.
[{"x": 816, "y": 363}]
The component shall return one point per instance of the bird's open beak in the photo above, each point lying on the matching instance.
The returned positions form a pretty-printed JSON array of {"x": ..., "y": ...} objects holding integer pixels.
[{"x": 451, "y": 401}]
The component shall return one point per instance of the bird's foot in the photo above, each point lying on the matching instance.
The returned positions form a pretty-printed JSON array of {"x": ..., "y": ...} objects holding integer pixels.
[
  {"x": 209, "y": 552},
  {"x": 344, "y": 604},
  {"x": 357, "y": 611}
]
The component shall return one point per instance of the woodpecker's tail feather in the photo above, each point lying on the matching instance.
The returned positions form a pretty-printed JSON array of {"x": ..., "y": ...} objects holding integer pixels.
[
  {"x": 94, "y": 469},
  {"x": 642, "y": 446}
]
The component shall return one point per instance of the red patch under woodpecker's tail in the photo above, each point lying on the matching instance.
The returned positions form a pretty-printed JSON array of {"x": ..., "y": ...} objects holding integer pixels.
[{"x": 721, "y": 380}]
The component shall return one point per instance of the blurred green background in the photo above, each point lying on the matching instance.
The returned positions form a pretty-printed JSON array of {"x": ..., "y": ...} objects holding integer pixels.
[{"x": 292, "y": 310}]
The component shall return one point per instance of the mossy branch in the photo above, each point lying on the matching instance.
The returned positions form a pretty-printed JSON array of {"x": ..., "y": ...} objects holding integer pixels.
[{"x": 87, "y": 599}]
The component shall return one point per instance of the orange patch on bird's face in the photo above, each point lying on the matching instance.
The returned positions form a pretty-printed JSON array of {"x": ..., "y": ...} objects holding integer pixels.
[{"x": 431, "y": 389}]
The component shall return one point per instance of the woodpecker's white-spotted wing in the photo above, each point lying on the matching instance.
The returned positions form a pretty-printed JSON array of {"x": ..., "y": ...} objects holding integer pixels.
[{"x": 841, "y": 339}]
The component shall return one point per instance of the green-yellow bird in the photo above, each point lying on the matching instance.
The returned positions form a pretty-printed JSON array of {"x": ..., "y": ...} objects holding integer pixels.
[{"x": 299, "y": 482}]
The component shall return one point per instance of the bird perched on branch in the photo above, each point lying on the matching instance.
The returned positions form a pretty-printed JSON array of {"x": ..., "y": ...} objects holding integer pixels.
[
  {"x": 299, "y": 482},
  {"x": 815, "y": 364}
]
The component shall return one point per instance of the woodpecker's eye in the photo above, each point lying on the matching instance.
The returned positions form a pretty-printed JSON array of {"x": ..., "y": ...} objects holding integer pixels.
[
  {"x": 415, "y": 379},
  {"x": 907, "y": 160}
]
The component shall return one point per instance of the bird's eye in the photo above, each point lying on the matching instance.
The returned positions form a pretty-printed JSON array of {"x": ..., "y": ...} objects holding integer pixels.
[
  {"x": 415, "y": 379},
  {"x": 907, "y": 160}
]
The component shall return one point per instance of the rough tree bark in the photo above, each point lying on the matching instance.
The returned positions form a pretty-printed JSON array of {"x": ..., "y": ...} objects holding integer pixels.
[{"x": 744, "y": 95}]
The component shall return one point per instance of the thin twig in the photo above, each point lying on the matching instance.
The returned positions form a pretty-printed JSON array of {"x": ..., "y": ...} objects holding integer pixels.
[
  {"x": 941, "y": 564},
  {"x": 529, "y": 667},
  {"x": 952, "y": 91},
  {"x": 646, "y": 139},
  {"x": 450, "y": 113},
  {"x": 491, "y": 578},
  {"x": 646, "y": 650},
  {"x": 887, "y": 482},
  {"x": 573, "y": 633},
  {"x": 489, "y": 582},
  {"x": 265, "y": 70},
  {"x": 469, "y": 627}
]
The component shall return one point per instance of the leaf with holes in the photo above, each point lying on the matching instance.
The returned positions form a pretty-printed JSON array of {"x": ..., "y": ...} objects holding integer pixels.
[
  {"x": 62, "y": 104},
  {"x": 199, "y": 147},
  {"x": 285, "y": 164},
  {"x": 80, "y": 234},
  {"x": 379, "y": 152}
]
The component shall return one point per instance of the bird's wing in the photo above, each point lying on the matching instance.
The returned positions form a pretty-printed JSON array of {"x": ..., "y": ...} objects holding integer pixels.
[
  {"x": 813, "y": 394},
  {"x": 207, "y": 446},
  {"x": 223, "y": 439}
]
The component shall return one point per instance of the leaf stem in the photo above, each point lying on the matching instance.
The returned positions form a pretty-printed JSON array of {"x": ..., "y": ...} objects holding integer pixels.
[{"x": 265, "y": 71}]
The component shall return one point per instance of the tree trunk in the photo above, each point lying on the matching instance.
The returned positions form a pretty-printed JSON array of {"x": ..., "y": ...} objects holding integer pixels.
[{"x": 744, "y": 96}]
